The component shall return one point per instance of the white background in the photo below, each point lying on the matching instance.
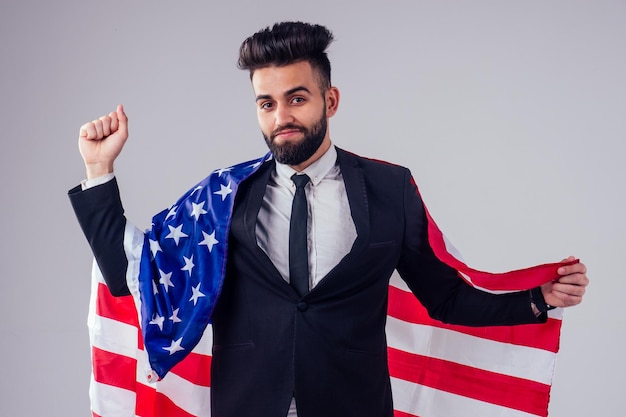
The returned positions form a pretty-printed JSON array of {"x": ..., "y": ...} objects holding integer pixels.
[{"x": 511, "y": 115}]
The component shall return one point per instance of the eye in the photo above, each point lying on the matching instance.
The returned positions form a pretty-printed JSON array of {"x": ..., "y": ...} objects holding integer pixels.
[
  {"x": 266, "y": 105},
  {"x": 298, "y": 100}
]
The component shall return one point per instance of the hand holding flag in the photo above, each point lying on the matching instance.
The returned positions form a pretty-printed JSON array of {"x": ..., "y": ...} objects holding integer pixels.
[{"x": 569, "y": 288}]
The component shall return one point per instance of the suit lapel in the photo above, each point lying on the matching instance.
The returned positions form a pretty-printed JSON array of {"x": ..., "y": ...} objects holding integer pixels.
[
  {"x": 354, "y": 181},
  {"x": 254, "y": 200}
]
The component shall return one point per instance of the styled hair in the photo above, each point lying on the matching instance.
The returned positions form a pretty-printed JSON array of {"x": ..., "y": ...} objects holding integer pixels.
[{"x": 287, "y": 43}]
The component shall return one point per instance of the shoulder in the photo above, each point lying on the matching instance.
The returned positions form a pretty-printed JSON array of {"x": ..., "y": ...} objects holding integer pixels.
[{"x": 370, "y": 166}]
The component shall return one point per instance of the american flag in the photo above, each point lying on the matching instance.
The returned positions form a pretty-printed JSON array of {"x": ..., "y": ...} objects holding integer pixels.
[{"x": 151, "y": 352}]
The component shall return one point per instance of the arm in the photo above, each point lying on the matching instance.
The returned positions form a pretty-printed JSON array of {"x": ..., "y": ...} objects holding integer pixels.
[
  {"x": 101, "y": 217},
  {"x": 446, "y": 296},
  {"x": 99, "y": 209}
]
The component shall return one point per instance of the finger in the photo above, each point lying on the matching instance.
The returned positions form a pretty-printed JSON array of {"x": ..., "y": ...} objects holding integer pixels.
[
  {"x": 87, "y": 131},
  {"x": 580, "y": 280},
  {"x": 114, "y": 121},
  {"x": 569, "y": 289},
  {"x": 577, "y": 268},
  {"x": 566, "y": 299},
  {"x": 106, "y": 125},
  {"x": 98, "y": 126}
]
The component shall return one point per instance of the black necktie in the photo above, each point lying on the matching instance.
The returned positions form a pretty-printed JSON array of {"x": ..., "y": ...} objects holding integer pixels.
[{"x": 298, "y": 252}]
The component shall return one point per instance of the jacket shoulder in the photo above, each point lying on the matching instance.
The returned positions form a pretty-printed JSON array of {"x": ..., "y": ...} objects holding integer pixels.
[{"x": 371, "y": 165}]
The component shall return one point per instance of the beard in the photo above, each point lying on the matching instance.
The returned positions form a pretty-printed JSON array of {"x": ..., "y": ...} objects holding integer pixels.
[{"x": 296, "y": 153}]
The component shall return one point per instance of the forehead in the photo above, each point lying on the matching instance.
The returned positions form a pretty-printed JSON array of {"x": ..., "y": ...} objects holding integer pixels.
[{"x": 276, "y": 80}]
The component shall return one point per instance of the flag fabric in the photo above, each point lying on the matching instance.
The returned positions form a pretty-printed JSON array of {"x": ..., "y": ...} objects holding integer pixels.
[
  {"x": 177, "y": 268},
  {"x": 151, "y": 352}
]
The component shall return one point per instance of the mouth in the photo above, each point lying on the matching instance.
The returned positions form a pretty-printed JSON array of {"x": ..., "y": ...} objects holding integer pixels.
[{"x": 287, "y": 133}]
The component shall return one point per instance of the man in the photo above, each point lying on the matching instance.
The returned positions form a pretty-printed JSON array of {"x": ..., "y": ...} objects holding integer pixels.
[{"x": 298, "y": 332}]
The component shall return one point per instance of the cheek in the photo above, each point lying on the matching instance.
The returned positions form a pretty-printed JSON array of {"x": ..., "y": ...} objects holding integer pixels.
[{"x": 264, "y": 122}]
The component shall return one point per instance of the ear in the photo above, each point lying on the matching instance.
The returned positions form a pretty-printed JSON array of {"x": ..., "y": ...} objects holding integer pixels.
[{"x": 332, "y": 101}]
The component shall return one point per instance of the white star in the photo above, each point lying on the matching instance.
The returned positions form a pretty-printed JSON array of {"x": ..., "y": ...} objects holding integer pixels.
[
  {"x": 188, "y": 264},
  {"x": 224, "y": 191},
  {"x": 174, "y": 316},
  {"x": 155, "y": 247},
  {"x": 171, "y": 213},
  {"x": 176, "y": 233},
  {"x": 155, "y": 290},
  {"x": 196, "y": 294},
  {"x": 199, "y": 187},
  {"x": 198, "y": 210},
  {"x": 175, "y": 346},
  {"x": 219, "y": 172},
  {"x": 158, "y": 320},
  {"x": 166, "y": 279},
  {"x": 209, "y": 240},
  {"x": 256, "y": 164}
]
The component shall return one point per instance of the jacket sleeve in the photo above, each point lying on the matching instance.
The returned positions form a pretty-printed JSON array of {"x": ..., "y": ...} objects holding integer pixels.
[
  {"x": 440, "y": 288},
  {"x": 101, "y": 217}
]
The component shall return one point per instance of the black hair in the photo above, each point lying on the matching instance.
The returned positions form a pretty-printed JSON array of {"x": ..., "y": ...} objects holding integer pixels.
[{"x": 286, "y": 43}]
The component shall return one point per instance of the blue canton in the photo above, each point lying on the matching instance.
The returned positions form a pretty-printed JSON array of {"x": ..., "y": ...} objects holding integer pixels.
[{"x": 183, "y": 264}]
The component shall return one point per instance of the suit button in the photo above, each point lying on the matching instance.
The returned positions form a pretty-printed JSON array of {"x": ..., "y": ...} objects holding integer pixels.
[{"x": 302, "y": 306}]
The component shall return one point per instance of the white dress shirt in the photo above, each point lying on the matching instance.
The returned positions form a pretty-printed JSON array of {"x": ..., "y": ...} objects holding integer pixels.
[{"x": 331, "y": 230}]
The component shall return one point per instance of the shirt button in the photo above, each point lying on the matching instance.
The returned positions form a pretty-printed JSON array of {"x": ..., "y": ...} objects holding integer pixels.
[{"x": 302, "y": 306}]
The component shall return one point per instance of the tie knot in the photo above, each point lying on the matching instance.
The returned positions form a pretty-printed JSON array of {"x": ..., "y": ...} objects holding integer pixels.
[{"x": 300, "y": 180}]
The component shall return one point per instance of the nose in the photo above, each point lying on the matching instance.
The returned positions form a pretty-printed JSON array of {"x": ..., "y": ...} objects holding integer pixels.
[{"x": 283, "y": 115}]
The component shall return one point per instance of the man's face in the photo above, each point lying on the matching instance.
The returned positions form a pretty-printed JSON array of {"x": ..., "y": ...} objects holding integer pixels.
[{"x": 293, "y": 113}]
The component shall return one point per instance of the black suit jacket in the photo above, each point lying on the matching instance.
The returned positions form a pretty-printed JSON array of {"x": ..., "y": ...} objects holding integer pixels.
[{"x": 327, "y": 348}]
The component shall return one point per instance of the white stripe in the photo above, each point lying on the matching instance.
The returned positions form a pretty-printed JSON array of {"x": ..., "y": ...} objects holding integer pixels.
[
  {"x": 451, "y": 249},
  {"x": 110, "y": 401},
  {"x": 424, "y": 401},
  {"x": 469, "y": 281},
  {"x": 503, "y": 358},
  {"x": 114, "y": 336},
  {"x": 194, "y": 399},
  {"x": 398, "y": 282},
  {"x": 205, "y": 345},
  {"x": 556, "y": 314},
  {"x": 133, "y": 245},
  {"x": 96, "y": 277}
]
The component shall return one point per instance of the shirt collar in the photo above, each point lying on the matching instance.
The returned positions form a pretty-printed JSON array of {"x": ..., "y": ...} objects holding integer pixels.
[{"x": 316, "y": 171}]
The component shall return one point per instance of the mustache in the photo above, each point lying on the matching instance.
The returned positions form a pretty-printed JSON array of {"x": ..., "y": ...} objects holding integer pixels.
[{"x": 288, "y": 127}]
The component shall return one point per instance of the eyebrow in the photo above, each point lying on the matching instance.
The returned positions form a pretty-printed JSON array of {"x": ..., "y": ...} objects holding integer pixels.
[{"x": 286, "y": 94}]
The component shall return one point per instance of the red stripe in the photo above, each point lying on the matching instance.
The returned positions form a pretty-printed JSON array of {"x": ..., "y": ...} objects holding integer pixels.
[
  {"x": 507, "y": 391},
  {"x": 120, "y": 309},
  {"x": 397, "y": 413},
  {"x": 94, "y": 414},
  {"x": 195, "y": 368},
  {"x": 116, "y": 308},
  {"x": 520, "y": 279},
  {"x": 113, "y": 369},
  {"x": 120, "y": 371},
  {"x": 404, "y": 306},
  {"x": 155, "y": 404}
]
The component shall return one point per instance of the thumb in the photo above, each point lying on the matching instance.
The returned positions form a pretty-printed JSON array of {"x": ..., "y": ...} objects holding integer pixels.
[{"x": 123, "y": 120}]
